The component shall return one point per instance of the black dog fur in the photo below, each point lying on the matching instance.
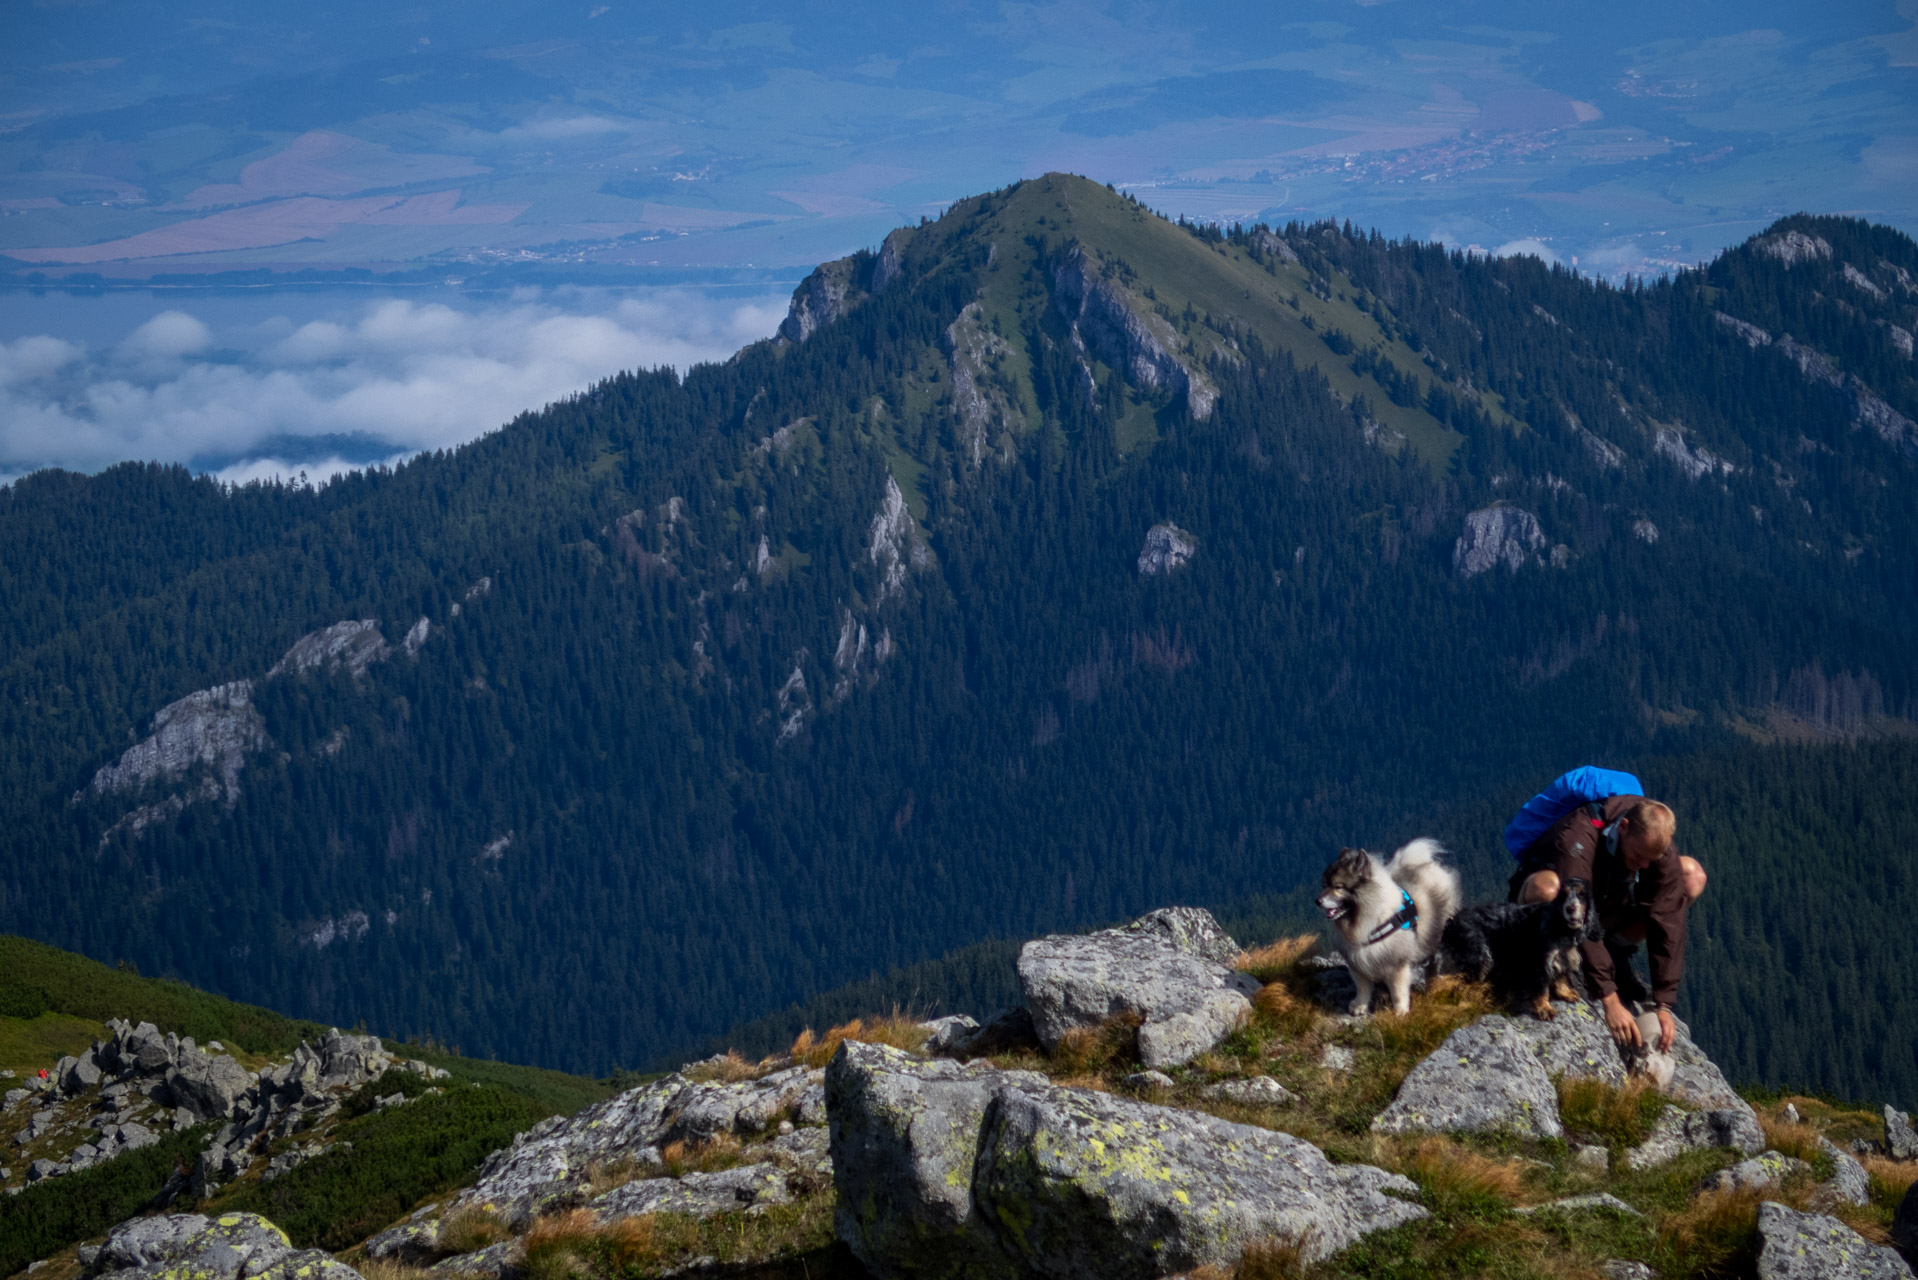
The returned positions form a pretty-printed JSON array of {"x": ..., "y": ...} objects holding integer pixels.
[{"x": 1529, "y": 953}]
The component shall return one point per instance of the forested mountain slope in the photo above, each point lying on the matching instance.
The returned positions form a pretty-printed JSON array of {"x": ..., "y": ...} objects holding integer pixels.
[{"x": 1056, "y": 563}]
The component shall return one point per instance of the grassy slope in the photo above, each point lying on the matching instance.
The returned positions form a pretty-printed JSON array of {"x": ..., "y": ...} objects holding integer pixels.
[{"x": 1181, "y": 271}]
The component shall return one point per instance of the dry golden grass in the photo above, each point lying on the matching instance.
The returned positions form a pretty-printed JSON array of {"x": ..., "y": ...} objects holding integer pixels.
[
  {"x": 1454, "y": 1176},
  {"x": 899, "y": 1029},
  {"x": 1445, "y": 1006},
  {"x": 1271, "y": 1259},
  {"x": 387, "y": 1269},
  {"x": 1889, "y": 1178},
  {"x": 470, "y": 1229},
  {"x": 1284, "y": 1010},
  {"x": 720, "y": 1152},
  {"x": 1617, "y": 1117},
  {"x": 1714, "y": 1231},
  {"x": 1797, "y": 1140},
  {"x": 559, "y": 1245},
  {"x": 604, "y": 1176},
  {"x": 730, "y": 1069},
  {"x": 1276, "y": 960},
  {"x": 1085, "y": 1051}
]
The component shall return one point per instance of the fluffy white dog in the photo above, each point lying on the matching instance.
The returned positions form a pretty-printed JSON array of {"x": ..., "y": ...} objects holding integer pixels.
[{"x": 1387, "y": 915}]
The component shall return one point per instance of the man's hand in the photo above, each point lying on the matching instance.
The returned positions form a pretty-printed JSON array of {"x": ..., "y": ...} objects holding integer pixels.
[
  {"x": 1623, "y": 1026},
  {"x": 1667, "y": 1030}
]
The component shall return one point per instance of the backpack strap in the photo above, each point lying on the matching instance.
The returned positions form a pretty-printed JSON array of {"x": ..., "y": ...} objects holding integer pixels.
[{"x": 1406, "y": 917}]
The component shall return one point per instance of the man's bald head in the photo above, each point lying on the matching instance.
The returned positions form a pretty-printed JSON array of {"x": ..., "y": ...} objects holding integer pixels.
[{"x": 1648, "y": 831}]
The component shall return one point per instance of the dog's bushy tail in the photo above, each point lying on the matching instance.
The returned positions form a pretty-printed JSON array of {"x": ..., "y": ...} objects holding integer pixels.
[{"x": 1433, "y": 886}]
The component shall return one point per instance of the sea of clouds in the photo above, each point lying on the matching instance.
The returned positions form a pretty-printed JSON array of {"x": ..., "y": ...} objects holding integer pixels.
[{"x": 278, "y": 394}]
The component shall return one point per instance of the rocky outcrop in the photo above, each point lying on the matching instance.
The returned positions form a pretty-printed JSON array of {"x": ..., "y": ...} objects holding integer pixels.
[
  {"x": 949, "y": 1170},
  {"x": 1695, "y": 460},
  {"x": 1754, "y": 336},
  {"x": 1271, "y": 246},
  {"x": 1167, "y": 547},
  {"x": 1848, "y": 1184},
  {"x": 548, "y": 1165},
  {"x": 236, "y": 1246},
  {"x": 1143, "y": 346},
  {"x": 893, "y": 542},
  {"x": 987, "y": 409},
  {"x": 1811, "y": 1246},
  {"x": 215, "y": 728},
  {"x": 1168, "y": 969},
  {"x": 820, "y": 299},
  {"x": 1496, "y": 536},
  {"x": 1485, "y": 1078},
  {"x": 1793, "y": 247},
  {"x": 352, "y": 646}
]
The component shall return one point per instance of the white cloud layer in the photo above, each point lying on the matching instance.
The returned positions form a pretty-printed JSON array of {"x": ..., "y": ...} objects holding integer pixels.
[{"x": 389, "y": 379}]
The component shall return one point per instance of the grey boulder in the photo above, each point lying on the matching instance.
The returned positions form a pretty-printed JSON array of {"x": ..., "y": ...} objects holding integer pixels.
[
  {"x": 697, "y": 1195},
  {"x": 1169, "y": 969},
  {"x": 1485, "y": 1078},
  {"x": 411, "y": 1243},
  {"x": 946, "y": 1035},
  {"x": 1764, "y": 1170},
  {"x": 494, "y": 1262},
  {"x": 1848, "y": 1184},
  {"x": 207, "y": 1085},
  {"x": 234, "y": 1246},
  {"x": 1678, "y": 1131},
  {"x": 1258, "y": 1091},
  {"x": 1811, "y": 1246},
  {"x": 949, "y": 1171},
  {"x": 1901, "y": 1141}
]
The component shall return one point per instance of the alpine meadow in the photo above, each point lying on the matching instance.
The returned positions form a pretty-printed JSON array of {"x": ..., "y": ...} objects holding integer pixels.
[{"x": 1056, "y": 562}]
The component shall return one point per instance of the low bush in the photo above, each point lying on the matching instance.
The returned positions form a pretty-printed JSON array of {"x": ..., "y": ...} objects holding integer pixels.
[
  {"x": 898, "y": 1029},
  {"x": 18, "y": 1000},
  {"x": 1087, "y": 1051}
]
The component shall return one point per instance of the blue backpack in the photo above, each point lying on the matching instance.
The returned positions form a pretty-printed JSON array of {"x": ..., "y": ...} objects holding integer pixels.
[{"x": 1585, "y": 785}]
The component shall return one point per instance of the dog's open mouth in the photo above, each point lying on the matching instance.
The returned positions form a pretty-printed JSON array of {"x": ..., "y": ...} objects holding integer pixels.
[{"x": 1335, "y": 910}]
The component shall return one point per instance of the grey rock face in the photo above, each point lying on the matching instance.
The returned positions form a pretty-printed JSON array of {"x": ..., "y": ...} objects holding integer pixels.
[
  {"x": 1848, "y": 1184},
  {"x": 986, "y": 409},
  {"x": 547, "y": 1165},
  {"x": 354, "y": 644},
  {"x": 697, "y": 1195},
  {"x": 1793, "y": 247},
  {"x": 1767, "y": 1169},
  {"x": 1149, "y": 1081},
  {"x": 1678, "y": 1131},
  {"x": 1144, "y": 345},
  {"x": 820, "y": 299},
  {"x": 1497, "y": 536},
  {"x": 1811, "y": 1246},
  {"x": 1485, "y": 1078},
  {"x": 208, "y": 1085},
  {"x": 1623, "y": 1269},
  {"x": 1167, "y": 548},
  {"x": 1158, "y": 968},
  {"x": 214, "y": 728},
  {"x": 948, "y": 1170},
  {"x": 807, "y": 1149},
  {"x": 1901, "y": 1142}
]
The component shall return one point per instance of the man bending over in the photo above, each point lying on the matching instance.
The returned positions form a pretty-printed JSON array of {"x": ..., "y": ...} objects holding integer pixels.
[{"x": 1643, "y": 891}]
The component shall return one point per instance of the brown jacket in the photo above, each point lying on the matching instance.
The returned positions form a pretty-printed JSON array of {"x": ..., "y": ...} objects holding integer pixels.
[{"x": 1649, "y": 905}]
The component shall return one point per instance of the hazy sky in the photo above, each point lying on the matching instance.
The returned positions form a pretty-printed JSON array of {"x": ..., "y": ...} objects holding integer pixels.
[{"x": 495, "y": 145}]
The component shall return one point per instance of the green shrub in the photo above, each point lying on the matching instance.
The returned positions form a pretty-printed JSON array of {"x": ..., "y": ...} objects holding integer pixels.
[
  {"x": 57, "y": 1212},
  {"x": 19, "y": 1001},
  {"x": 399, "y": 1156}
]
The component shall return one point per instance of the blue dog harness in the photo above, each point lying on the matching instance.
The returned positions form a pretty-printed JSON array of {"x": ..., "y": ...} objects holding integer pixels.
[{"x": 1407, "y": 917}]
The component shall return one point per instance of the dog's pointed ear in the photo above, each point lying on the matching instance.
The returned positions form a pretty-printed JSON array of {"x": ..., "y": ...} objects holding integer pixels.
[{"x": 1351, "y": 857}]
